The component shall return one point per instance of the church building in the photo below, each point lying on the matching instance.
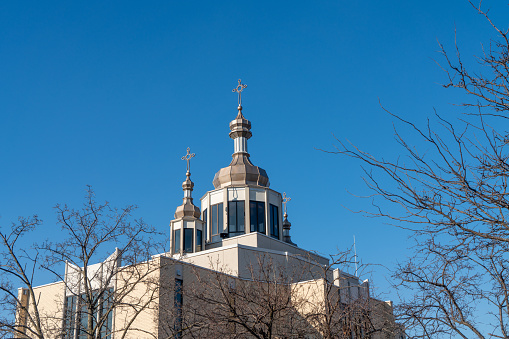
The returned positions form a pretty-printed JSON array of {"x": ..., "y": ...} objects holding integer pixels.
[{"x": 231, "y": 260}]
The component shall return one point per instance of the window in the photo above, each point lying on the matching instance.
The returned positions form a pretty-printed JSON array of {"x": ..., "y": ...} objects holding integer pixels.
[
  {"x": 198, "y": 240},
  {"x": 274, "y": 221},
  {"x": 188, "y": 240},
  {"x": 69, "y": 316},
  {"x": 205, "y": 218},
  {"x": 83, "y": 329},
  {"x": 76, "y": 313},
  {"x": 235, "y": 218},
  {"x": 217, "y": 218},
  {"x": 176, "y": 241},
  {"x": 257, "y": 215},
  {"x": 177, "y": 303},
  {"x": 107, "y": 309}
]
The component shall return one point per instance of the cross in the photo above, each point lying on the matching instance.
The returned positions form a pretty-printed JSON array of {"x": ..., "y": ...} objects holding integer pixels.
[
  {"x": 240, "y": 87},
  {"x": 285, "y": 200},
  {"x": 188, "y": 157}
]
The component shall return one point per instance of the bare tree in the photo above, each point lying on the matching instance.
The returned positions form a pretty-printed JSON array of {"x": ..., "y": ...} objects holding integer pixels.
[
  {"x": 297, "y": 299},
  {"x": 452, "y": 192},
  {"x": 18, "y": 265},
  {"x": 92, "y": 283}
]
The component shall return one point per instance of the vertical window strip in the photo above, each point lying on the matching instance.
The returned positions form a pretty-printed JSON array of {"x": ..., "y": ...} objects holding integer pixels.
[
  {"x": 188, "y": 240},
  {"x": 257, "y": 216},
  {"x": 217, "y": 219},
  {"x": 205, "y": 219},
  {"x": 274, "y": 221},
  {"x": 178, "y": 301},
  {"x": 77, "y": 313},
  {"x": 199, "y": 240},
  {"x": 176, "y": 241},
  {"x": 236, "y": 218},
  {"x": 69, "y": 318},
  {"x": 106, "y": 307}
]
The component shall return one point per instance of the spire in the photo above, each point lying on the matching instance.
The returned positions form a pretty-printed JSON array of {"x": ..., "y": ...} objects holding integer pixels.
[
  {"x": 187, "y": 209},
  {"x": 240, "y": 171},
  {"x": 286, "y": 224},
  {"x": 240, "y": 127}
]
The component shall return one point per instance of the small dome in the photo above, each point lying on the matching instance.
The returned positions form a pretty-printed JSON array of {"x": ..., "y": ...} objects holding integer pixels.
[{"x": 187, "y": 209}]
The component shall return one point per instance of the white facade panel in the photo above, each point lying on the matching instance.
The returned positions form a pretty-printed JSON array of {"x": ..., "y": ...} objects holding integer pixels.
[
  {"x": 236, "y": 193},
  {"x": 257, "y": 194},
  {"x": 274, "y": 198},
  {"x": 216, "y": 197}
]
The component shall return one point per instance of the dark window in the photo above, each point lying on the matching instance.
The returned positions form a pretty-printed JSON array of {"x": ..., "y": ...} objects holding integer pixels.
[
  {"x": 198, "y": 240},
  {"x": 235, "y": 218},
  {"x": 257, "y": 215},
  {"x": 69, "y": 318},
  {"x": 83, "y": 330},
  {"x": 274, "y": 221},
  {"x": 176, "y": 241},
  {"x": 217, "y": 218},
  {"x": 107, "y": 310},
  {"x": 178, "y": 308},
  {"x": 188, "y": 240},
  {"x": 205, "y": 218}
]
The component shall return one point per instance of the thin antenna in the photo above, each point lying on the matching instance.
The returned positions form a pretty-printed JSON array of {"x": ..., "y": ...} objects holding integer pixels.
[{"x": 355, "y": 256}]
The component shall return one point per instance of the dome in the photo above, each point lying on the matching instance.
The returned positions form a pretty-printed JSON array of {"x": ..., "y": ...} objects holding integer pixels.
[
  {"x": 240, "y": 171},
  {"x": 187, "y": 209}
]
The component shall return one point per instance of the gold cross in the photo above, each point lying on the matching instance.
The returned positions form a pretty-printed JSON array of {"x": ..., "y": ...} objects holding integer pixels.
[
  {"x": 188, "y": 157},
  {"x": 285, "y": 200},
  {"x": 240, "y": 87}
]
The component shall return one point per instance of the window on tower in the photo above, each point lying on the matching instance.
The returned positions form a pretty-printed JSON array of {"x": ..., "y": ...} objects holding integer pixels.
[
  {"x": 205, "y": 218},
  {"x": 257, "y": 216},
  {"x": 199, "y": 240},
  {"x": 176, "y": 241},
  {"x": 188, "y": 240},
  {"x": 235, "y": 218},
  {"x": 274, "y": 221},
  {"x": 217, "y": 219}
]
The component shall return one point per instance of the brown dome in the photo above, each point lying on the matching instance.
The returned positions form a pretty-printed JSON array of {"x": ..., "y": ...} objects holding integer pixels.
[
  {"x": 241, "y": 172},
  {"x": 187, "y": 209}
]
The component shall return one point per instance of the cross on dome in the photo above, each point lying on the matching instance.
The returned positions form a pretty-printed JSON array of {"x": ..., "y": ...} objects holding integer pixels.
[
  {"x": 240, "y": 87},
  {"x": 285, "y": 201},
  {"x": 187, "y": 158}
]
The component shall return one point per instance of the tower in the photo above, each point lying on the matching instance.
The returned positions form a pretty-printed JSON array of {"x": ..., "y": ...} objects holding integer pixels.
[
  {"x": 241, "y": 201},
  {"x": 187, "y": 229}
]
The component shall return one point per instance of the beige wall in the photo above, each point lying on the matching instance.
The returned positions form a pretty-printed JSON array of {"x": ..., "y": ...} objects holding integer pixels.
[
  {"x": 147, "y": 292},
  {"x": 50, "y": 301},
  {"x": 137, "y": 292}
]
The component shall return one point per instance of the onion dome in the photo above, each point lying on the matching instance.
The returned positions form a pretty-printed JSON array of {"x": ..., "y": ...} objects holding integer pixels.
[
  {"x": 240, "y": 171},
  {"x": 187, "y": 209},
  {"x": 286, "y": 230},
  {"x": 286, "y": 224}
]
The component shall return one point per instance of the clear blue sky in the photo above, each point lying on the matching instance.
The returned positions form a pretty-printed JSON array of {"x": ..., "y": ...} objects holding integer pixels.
[{"x": 111, "y": 93}]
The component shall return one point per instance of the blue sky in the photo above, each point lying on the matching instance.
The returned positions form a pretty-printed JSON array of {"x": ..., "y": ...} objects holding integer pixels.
[{"x": 111, "y": 93}]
